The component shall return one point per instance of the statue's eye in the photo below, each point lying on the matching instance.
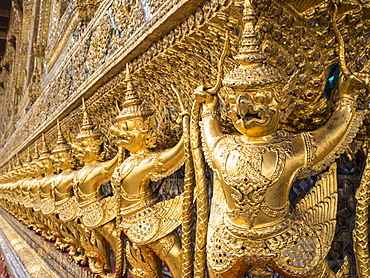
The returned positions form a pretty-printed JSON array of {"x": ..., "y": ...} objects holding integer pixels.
[
  {"x": 244, "y": 99},
  {"x": 260, "y": 97}
]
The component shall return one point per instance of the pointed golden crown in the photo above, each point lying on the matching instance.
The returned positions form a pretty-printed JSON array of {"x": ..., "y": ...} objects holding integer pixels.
[
  {"x": 14, "y": 164},
  {"x": 88, "y": 129},
  {"x": 253, "y": 70},
  {"x": 62, "y": 144},
  {"x": 17, "y": 164},
  {"x": 36, "y": 154},
  {"x": 45, "y": 152},
  {"x": 132, "y": 106},
  {"x": 28, "y": 157}
]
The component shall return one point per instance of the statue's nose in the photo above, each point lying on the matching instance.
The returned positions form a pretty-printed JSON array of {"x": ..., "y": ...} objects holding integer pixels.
[{"x": 245, "y": 109}]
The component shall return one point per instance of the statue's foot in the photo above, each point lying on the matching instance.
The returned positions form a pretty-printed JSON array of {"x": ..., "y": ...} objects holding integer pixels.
[
  {"x": 96, "y": 269},
  {"x": 64, "y": 246},
  {"x": 50, "y": 237},
  {"x": 81, "y": 259},
  {"x": 72, "y": 253}
]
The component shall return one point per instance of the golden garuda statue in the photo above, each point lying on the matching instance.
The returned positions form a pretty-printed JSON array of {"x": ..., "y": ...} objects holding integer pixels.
[
  {"x": 65, "y": 202},
  {"x": 46, "y": 192},
  {"x": 148, "y": 224},
  {"x": 94, "y": 209},
  {"x": 252, "y": 226},
  {"x": 47, "y": 168}
]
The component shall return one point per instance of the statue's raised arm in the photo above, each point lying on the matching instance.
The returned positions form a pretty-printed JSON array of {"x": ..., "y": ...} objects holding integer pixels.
[{"x": 325, "y": 144}]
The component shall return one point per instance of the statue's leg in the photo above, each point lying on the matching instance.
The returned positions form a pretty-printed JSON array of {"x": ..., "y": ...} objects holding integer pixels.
[
  {"x": 144, "y": 262},
  {"x": 168, "y": 249},
  {"x": 75, "y": 244},
  {"x": 53, "y": 223},
  {"x": 40, "y": 224},
  {"x": 173, "y": 257},
  {"x": 112, "y": 235},
  {"x": 103, "y": 246}
]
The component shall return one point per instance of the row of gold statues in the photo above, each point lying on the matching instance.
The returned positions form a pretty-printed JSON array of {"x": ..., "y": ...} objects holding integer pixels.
[{"x": 251, "y": 225}]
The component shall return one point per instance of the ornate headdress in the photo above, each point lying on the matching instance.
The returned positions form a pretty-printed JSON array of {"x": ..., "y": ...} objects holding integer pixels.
[
  {"x": 132, "y": 106},
  {"x": 62, "y": 144},
  {"x": 28, "y": 157},
  {"x": 15, "y": 165},
  {"x": 88, "y": 129},
  {"x": 36, "y": 155},
  {"x": 253, "y": 70},
  {"x": 45, "y": 153}
]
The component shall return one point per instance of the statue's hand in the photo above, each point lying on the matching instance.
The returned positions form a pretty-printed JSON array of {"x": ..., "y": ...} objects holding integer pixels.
[
  {"x": 203, "y": 96},
  {"x": 349, "y": 87}
]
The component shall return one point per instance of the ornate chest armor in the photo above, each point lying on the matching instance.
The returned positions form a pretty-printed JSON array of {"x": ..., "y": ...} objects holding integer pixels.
[{"x": 241, "y": 170}]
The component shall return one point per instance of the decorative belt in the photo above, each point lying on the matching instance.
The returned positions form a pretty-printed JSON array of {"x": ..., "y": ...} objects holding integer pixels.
[
  {"x": 92, "y": 200},
  {"x": 258, "y": 232},
  {"x": 61, "y": 202},
  {"x": 127, "y": 211}
]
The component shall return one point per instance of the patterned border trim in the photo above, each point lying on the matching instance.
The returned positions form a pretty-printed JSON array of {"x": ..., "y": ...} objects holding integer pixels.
[
  {"x": 60, "y": 264},
  {"x": 15, "y": 267}
]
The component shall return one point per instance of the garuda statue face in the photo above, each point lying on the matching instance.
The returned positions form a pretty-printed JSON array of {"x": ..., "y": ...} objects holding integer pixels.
[
  {"x": 45, "y": 165},
  {"x": 62, "y": 159},
  {"x": 134, "y": 133},
  {"x": 255, "y": 112},
  {"x": 35, "y": 170},
  {"x": 87, "y": 146},
  {"x": 87, "y": 150},
  {"x": 44, "y": 162}
]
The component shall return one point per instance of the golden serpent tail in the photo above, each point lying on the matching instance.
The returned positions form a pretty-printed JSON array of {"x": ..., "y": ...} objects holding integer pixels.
[
  {"x": 361, "y": 232},
  {"x": 202, "y": 195},
  {"x": 187, "y": 220}
]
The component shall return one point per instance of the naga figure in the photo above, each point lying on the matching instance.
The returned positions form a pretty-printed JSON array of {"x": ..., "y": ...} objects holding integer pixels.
[
  {"x": 94, "y": 209},
  {"x": 148, "y": 224},
  {"x": 252, "y": 225}
]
